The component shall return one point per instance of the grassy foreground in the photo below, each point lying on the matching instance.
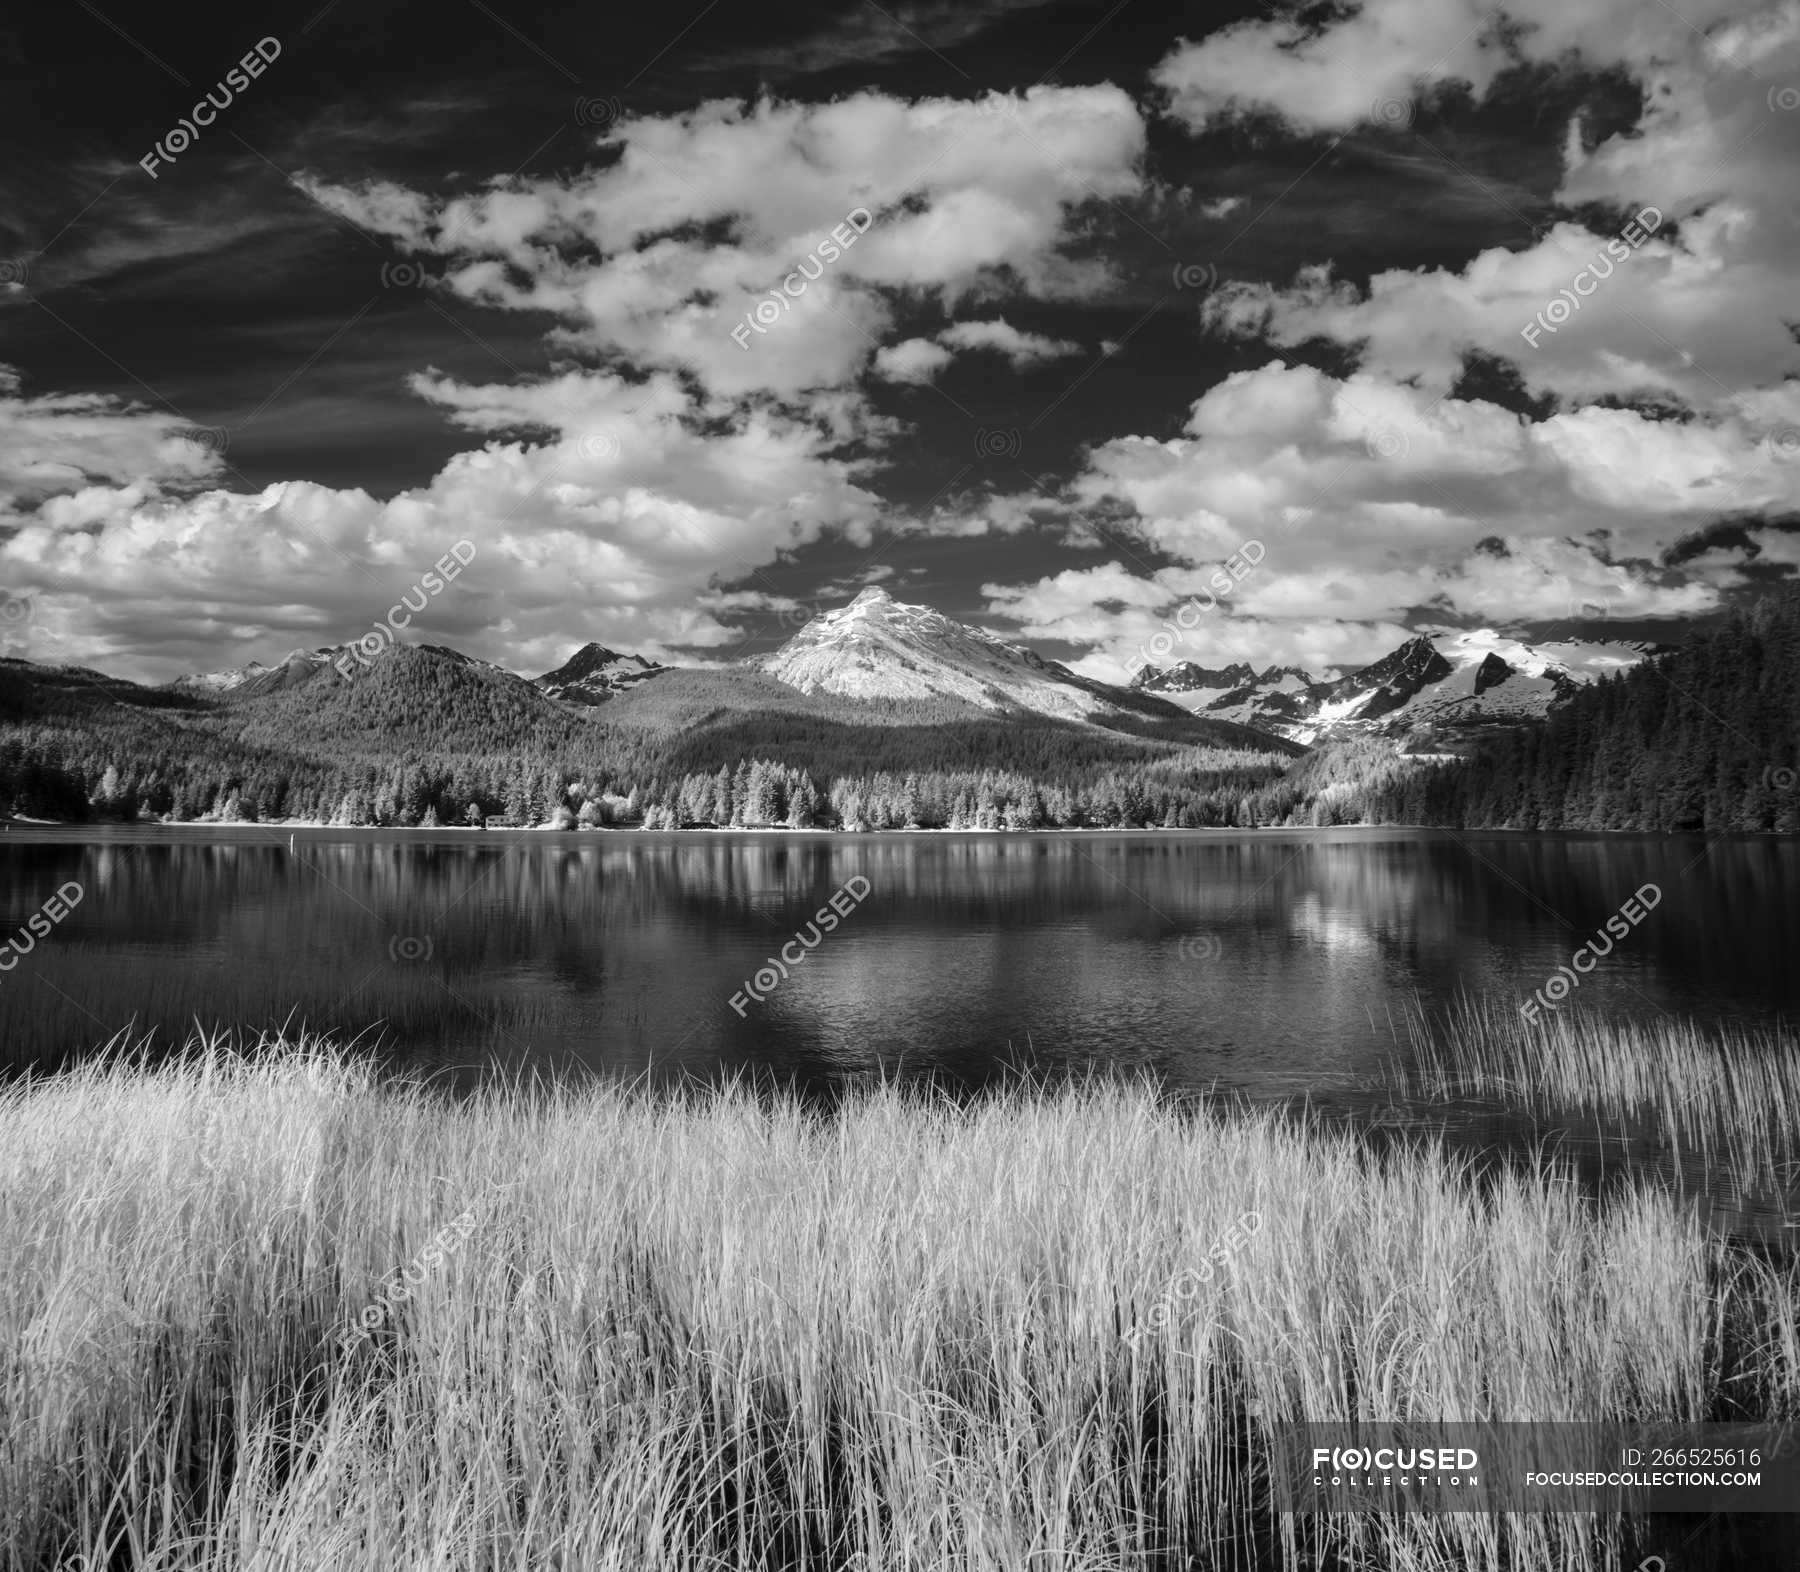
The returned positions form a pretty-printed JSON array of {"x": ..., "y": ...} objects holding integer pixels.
[{"x": 605, "y": 1329}]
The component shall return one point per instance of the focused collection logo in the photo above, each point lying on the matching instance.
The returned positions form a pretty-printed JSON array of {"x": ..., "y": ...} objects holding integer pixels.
[{"x": 1341, "y": 1466}]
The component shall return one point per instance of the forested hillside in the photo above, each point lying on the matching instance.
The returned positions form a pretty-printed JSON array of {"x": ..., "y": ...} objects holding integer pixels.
[
  {"x": 419, "y": 733},
  {"x": 1705, "y": 738},
  {"x": 427, "y": 737}
]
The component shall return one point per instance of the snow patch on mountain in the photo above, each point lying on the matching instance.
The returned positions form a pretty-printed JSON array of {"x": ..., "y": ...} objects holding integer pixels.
[
  {"x": 219, "y": 681},
  {"x": 246, "y": 681},
  {"x": 880, "y": 648},
  {"x": 594, "y": 674},
  {"x": 347, "y": 661},
  {"x": 1227, "y": 693},
  {"x": 1432, "y": 683}
]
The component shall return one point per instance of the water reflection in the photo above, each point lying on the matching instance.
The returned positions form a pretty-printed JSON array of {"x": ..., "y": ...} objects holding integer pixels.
[{"x": 1260, "y": 962}]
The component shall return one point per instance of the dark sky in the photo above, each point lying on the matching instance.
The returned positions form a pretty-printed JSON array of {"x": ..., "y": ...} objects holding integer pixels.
[
  {"x": 217, "y": 282},
  {"x": 225, "y": 296}
]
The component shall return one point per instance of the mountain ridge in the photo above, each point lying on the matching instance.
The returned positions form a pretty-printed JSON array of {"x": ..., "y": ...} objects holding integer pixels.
[
  {"x": 876, "y": 650},
  {"x": 1436, "y": 684},
  {"x": 594, "y": 673},
  {"x": 1699, "y": 738}
]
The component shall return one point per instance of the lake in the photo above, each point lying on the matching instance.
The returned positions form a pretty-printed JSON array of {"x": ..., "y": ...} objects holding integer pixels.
[{"x": 1267, "y": 962}]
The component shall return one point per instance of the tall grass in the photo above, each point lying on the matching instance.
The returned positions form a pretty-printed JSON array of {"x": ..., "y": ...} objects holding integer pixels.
[
  {"x": 709, "y": 1331},
  {"x": 83, "y": 993},
  {"x": 1726, "y": 1103}
]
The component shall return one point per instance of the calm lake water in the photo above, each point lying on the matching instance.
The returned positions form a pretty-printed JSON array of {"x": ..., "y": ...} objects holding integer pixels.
[{"x": 1265, "y": 962}]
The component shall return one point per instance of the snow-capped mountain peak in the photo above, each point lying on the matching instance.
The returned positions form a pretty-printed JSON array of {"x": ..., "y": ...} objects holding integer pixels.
[
  {"x": 1442, "y": 681},
  {"x": 219, "y": 681},
  {"x": 883, "y": 650},
  {"x": 879, "y": 648},
  {"x": 594, "y": 674},
  {"x": 1187, "y": 676},
  {"x": 254, "y": 678}
]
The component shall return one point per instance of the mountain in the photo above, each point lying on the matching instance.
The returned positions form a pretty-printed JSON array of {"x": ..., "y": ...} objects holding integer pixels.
[
  {"x": 1701, "y": 738},
  {"x": 1498, "y": 681},
  {"x": 593, "y": 674},
  {"x": 1378, "y": 690},
  {"x": 1446, "y": 683},
  {"x": 1229, "y": 688},
  {"x": 872, "y": 685},
  {"x": 299, "y": 667},
  {"x": 294, "y": 668},
  {"x": 1186, "y": 677},
  {"x": 877, "y": 657},
  {"x": 206, "y": 683},
  {"x": 590, "y": 676},
  {"x": 428, "y": 736},
  {"x": 878, "y": 650},
  {"x": 31, "y": 693},
  {"x": 1275, "y": 701},
  {"x": 423, "y": 730}
]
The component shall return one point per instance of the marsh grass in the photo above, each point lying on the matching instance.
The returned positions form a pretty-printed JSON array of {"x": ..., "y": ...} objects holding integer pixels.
[
  {"x": 713, "y": 1330},
  {"x": 1722, "y": 1104},
  {"x": 82, "y": 993}
]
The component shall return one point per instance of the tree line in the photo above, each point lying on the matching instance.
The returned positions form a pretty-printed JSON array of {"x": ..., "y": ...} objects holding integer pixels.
[
  {"x": 428, "y": 741},
  {"x": 1706, "y": 739}
]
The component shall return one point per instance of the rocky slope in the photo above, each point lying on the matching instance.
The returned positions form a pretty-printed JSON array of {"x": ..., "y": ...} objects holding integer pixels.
[
  {"x": 1441, "y": 683},
  {"x": 878, "y": 648},
  {"x": 593, "y": 674}
]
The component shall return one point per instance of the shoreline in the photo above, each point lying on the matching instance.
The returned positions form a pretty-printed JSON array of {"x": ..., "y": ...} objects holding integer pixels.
[{"x": 99, "y": 829}]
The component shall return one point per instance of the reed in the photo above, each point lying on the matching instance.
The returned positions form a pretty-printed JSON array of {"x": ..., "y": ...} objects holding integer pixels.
[
  {"x": 85, "y": 993},
  {"x": 709, "y": 1330},
  {"x": 1722, "y": 1102}
]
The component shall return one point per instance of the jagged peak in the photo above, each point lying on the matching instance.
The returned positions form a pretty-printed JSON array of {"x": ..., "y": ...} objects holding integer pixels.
[
  {"x": 595, "y": 672},
  {"x": 1188, "y": 674},
  {"x": 1276, "y": 673}
]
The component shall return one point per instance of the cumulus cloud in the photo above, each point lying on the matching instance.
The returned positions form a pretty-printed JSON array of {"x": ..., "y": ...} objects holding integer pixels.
[
  {"x": 1367, "y": 470},
  {"x": 1119, "y": 612},
  {"x": 823, "y": 213},
  {"x": 742, "y": 270},
  {"x": 1699, "y": 313},
  {"x": 599, "y": 502},
  {"x": 1332, "y": 78},
  {"x": 1372, "y": 502},
  {"x": 620, "y": 519},
  {"x": 1000, "y": 336},
  {"x": 1369, "y": 65},
  {"x": 915, "y": 360},
  {"x": 1698, "y": 317},
  {"x": 918, "y": 360},
  {"x": 56, "y": 443},
  {"x": 1328, "y": 620}
]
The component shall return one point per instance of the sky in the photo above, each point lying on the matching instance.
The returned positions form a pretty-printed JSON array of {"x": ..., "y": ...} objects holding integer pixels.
[{"x": 1286, "y": 331}]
